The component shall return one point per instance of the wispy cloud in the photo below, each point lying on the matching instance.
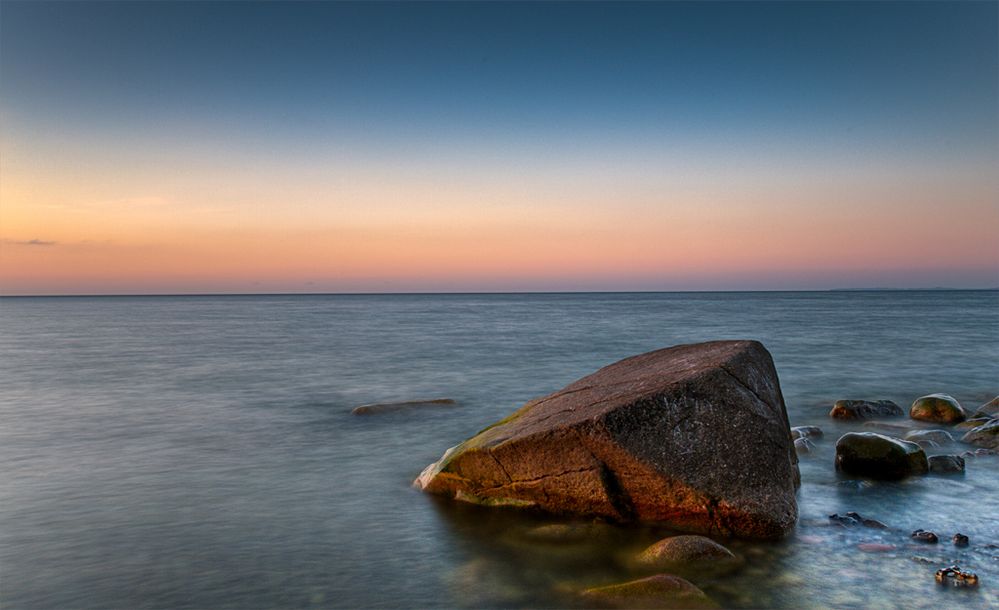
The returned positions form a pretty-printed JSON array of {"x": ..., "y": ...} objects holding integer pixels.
[{"x": 28, "y": 242}]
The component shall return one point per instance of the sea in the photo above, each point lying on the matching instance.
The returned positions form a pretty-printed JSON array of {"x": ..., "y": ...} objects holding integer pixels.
[{"x": 200, "y": 451}]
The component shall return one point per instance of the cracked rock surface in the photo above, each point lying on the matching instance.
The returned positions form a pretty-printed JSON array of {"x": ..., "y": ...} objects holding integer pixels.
[{"x": 694, "y": 436}]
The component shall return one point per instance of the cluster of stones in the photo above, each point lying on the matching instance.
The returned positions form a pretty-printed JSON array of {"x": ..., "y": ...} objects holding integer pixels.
[{"x": 881, "y": 456}]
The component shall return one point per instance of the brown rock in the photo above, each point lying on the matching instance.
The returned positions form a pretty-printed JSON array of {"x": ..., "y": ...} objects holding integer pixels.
[
  {"x": 989, "y": 410},
  {"x": 687, "y": 555},
  {"x": 864, "y": 409},
  {"x": 986, "y": 435},
  {"x": 659, "y": 591},
  {"x": 385, "y": 407},
  {"x": 694, "y": 436},
  {"x": 939, "y": 408}
]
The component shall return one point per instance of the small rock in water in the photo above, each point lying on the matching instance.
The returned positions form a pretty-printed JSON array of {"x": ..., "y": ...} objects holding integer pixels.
[
  {"x": 688, "y": 555},
  {"x": 384, "y": 407},
  {"x": 989, "y": 410},
  {"x": 855, "y": 484},
  {"x": 806, "y": 432},
  {"x": 659, "y": 591},
  {"x": 946, "y": 464},
  {"x": 960, "y": 539},
  {"x": 955, "y": 577},
  {"x": 968, "y": 424},
  {"x": 879, "y": 456},
  {"x": 919, "y": 559},
  {"x": 864, "y": 409},
  {"x": 986, "y": 435},
  {"x": 939, "y": 437},
  {"x": 803, "y": 446},
  {"x": 939, "y": 408},
  {"x": 843, "y": 519},
  {"x": 924, "y": 536},
  {"x": 873, "y": 523}
]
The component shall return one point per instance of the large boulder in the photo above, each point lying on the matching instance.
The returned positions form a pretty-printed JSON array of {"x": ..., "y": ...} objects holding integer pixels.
[
  {"x": 863, "y": 409},
  {"x": 986, "y": 435},
  {"x": 879, "y": 456},
  {"x": 939, "y": 408},
  {"x": 692, "y": 436}
]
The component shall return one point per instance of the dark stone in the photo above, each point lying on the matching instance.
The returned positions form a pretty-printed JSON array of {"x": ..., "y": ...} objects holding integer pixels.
[
  {"x": 986, "y": 435},
  {"x": 693, "y": 436},
  {"x": 968, "y": 424},
  {"x": 864, "y": 409},
  {"x": 866, "y": 522},
  {"x": 843, "y": 519},
  {"x": 809, "y": 432},
  {"x": 924, "y": 536},
  {"x": 939, "y": 408},
  {"x": 385, "y": 407},
  {"x": 878, "y": 456},
  {"x": 960, "y": 540},
  {"x": 946, "y": 464}
]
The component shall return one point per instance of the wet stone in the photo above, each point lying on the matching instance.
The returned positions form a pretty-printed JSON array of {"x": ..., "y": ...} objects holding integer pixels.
[
  {"x": 803, "y": 446},
  {"x": 809, "y": 432},
  {"x": 946, "y": 464},
  {"x": 878, "y": 456},
  {"x": 939, "y": 408},
  {"x": 864, "y": 409},
  {"x": 939, "y": 437},
  {"x": 960, "y": 539},
  {"x": 955, "y": 577},
  {"x": 921, "y": 535}
]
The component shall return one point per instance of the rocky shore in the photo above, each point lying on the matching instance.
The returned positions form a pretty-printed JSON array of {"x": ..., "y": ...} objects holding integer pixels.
[{"x": 694, "y": 440}]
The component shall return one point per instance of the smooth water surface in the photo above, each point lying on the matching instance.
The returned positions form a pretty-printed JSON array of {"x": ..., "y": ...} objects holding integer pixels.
[{"x": 199, "y": 452}]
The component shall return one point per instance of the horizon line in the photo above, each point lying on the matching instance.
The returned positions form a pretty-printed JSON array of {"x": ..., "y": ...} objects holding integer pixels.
[{"x": 485, "y": 292}]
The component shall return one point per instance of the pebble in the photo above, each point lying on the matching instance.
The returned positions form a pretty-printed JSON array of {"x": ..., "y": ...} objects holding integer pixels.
[
  {"x": 960, "y": 540},
  {"x": 924, "y": 536},
  {"x": 955, "y": 577}
]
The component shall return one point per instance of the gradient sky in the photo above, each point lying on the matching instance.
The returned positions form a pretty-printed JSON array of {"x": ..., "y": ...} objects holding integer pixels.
[{"x": 320, "y": 147}]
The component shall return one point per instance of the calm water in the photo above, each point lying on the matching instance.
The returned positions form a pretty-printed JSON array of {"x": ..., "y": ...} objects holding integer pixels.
[{"x": 199, "y": 452}]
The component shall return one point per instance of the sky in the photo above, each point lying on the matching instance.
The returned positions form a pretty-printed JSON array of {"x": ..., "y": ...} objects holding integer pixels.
[{"x": 150, "y": 148}]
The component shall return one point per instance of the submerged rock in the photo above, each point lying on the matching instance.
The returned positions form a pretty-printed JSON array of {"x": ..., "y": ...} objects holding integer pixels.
[
  {"x": 803, "y": 445},
  {"x": 878, "y": 456},
  {"x": 939, "y": 408},
  {"x": 694, "y": 436},
  {"x": 921, "y": 535},
  {"x": 687, "y": 555},
  {"x": 384, "y": 407},
  {"x": 986, "y": 435},
  {"x": 659, "y": 591},
  {"x": 938, "y": 437},
  {"x": 955, "y": 577},
  {"x": 809, "y": 432},
  {"x": 968, "y": 424},
  {"x": 864, "y": 409},
  {"x": 960, "y": 539},
  {"x": 989, "y": 410},
  {"x": 946, "y": 464}
]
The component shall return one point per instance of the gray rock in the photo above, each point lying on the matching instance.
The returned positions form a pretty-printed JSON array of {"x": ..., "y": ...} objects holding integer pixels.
[
  {"x": 986, "y": 435},
  {"x": 810, "y": 432},
  {"x": 879, "y": 456},
  {"x": 803, "y": 446},
  {"x": 864, "y": 409},
  {"x": 946, "y": 464},
  {"x": 385, "y": 407},
  {"x": 693, "y": 436},
  {"x": 938, "y": 437},
  {"x": 989, "y": 410}
]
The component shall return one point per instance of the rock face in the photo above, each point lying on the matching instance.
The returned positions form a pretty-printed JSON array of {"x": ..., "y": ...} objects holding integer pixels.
[
  {"x": 863, "y": 409},
  {"x": 986, "y": 435},
  {"x": 878, "y": 456},
  {"x": 939, "y": 408},
  {"x": 693, "y": 436}
]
